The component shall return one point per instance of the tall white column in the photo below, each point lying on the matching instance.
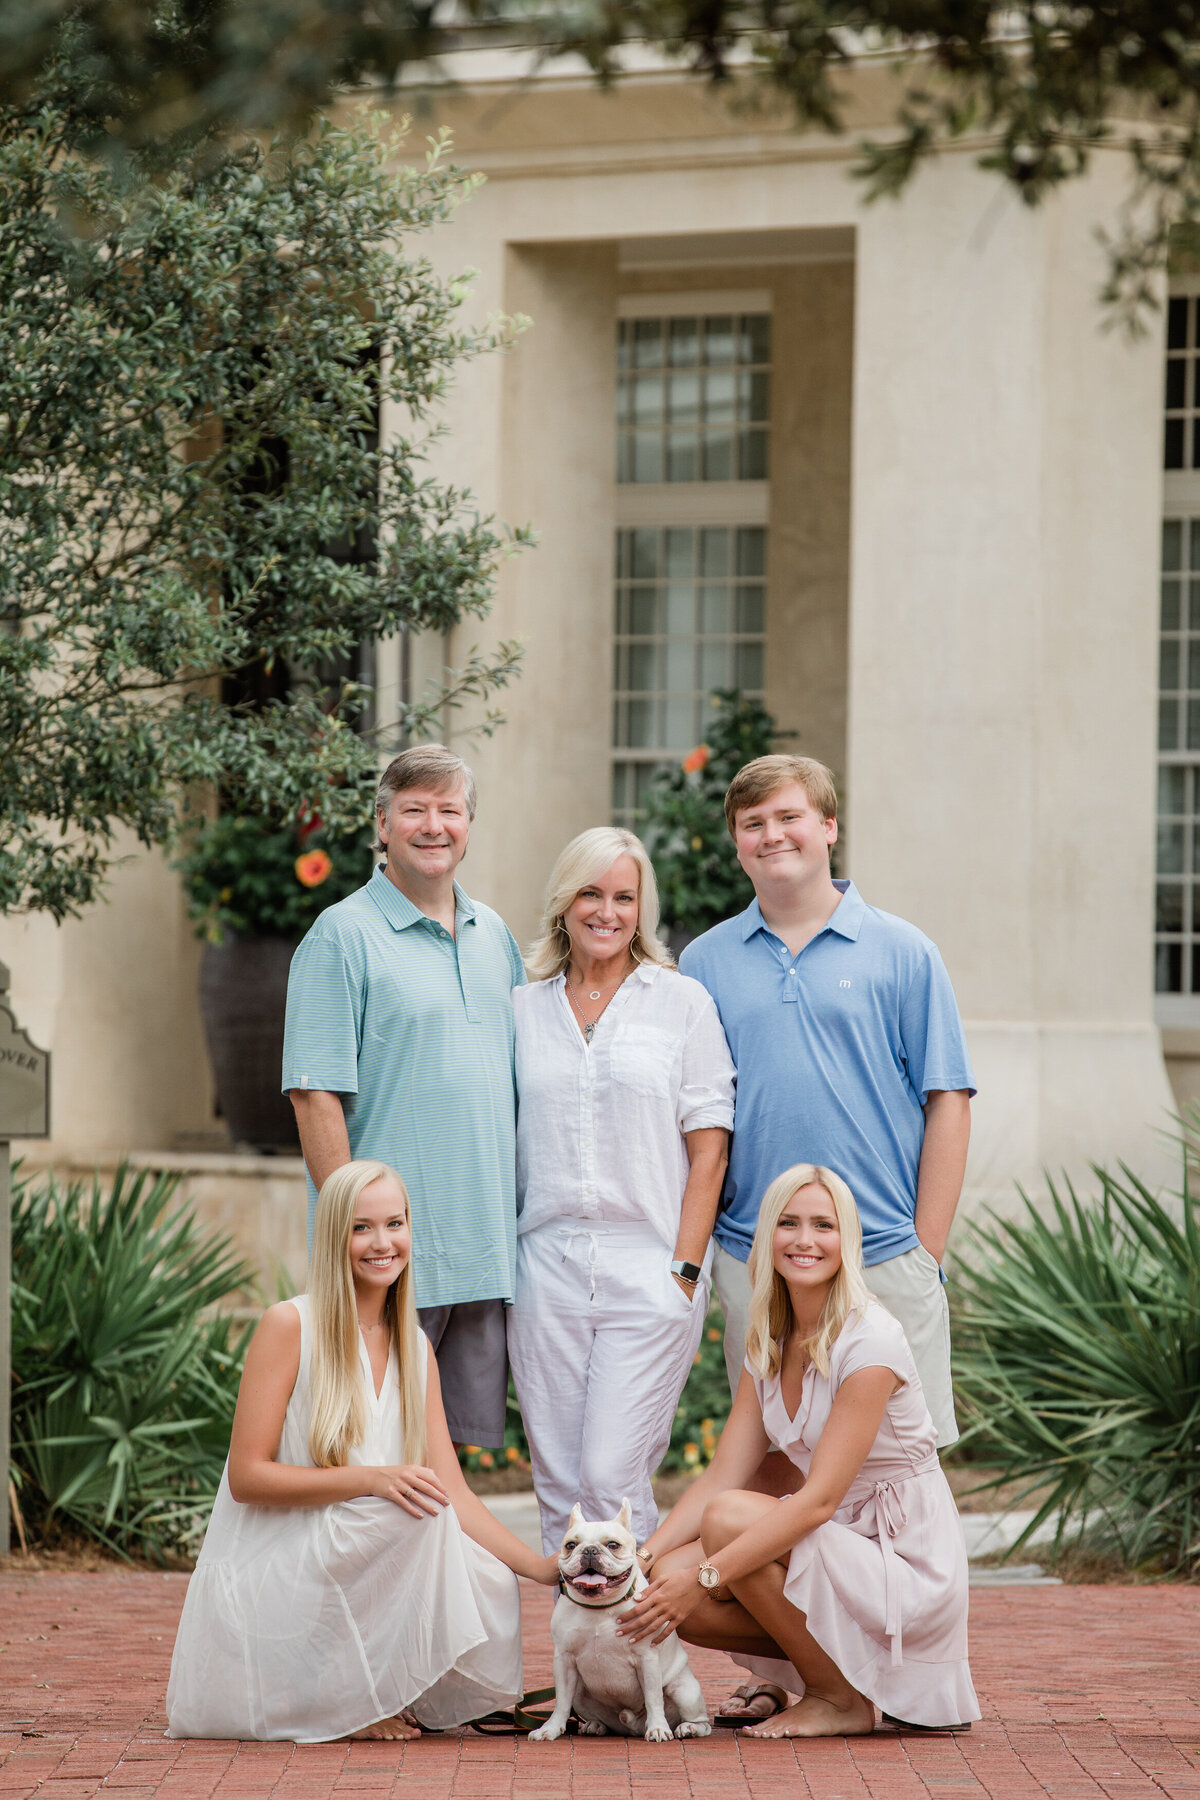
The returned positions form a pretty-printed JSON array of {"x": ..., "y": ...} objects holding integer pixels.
[{"x": 1005, "y": 516}]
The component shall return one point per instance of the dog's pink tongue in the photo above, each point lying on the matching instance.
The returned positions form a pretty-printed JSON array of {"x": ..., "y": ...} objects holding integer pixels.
[{"x": 591, "y": 1582}]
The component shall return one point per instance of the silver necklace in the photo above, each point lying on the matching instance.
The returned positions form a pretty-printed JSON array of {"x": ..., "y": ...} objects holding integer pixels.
[{"x": 589, "y": 1025}]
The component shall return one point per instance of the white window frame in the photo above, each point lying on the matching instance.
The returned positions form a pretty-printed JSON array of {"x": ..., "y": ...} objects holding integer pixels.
[
  {"x": 687, "y": 504},
  {"x": 1181, "y": 501}
]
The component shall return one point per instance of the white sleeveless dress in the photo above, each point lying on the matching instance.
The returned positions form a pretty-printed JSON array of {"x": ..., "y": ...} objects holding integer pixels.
[
  {"x": 883, "y": 1584},
  {"x": 306, "y": 1623}
]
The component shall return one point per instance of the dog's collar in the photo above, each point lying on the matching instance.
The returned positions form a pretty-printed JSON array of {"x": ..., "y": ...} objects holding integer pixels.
[{"x": 597, "y": 1605}]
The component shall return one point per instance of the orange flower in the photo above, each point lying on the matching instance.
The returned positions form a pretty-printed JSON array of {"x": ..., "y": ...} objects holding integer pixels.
[
  {"x": 313, "y": 867},
  {"x": 696, "y": 759},
  {"x": 487, "y": 1460}
]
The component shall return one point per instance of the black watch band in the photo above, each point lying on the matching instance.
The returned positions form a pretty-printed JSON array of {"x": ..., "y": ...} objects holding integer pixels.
[{"x": 690, "y": 1271}]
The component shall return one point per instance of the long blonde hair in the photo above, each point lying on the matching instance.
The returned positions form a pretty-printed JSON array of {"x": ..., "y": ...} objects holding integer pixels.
[
  {"x": 586, "y": 858},
  {"x": 771, "y": 1315},
  {"x": 339, "y": 1409}
]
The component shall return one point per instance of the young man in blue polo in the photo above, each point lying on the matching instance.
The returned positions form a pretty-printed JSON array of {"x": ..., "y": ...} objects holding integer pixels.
[{"x": 849, "y": 1051}]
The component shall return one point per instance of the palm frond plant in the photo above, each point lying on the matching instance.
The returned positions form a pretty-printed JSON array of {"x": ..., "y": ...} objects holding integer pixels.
[
  {"x": 124, "y": 1380},
  {"x": 1077, "y": 1364}
]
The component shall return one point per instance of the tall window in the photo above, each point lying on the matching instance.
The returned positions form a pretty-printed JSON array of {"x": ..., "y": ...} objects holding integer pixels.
[
  {"x": 1177, "y": 896},
  {"x": 693, "y": 421}
]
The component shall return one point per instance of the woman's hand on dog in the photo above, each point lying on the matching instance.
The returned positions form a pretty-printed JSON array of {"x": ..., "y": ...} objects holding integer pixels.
[
  {"x": 418, "y": 1491},
  {"x": 662, "y": 1607}
]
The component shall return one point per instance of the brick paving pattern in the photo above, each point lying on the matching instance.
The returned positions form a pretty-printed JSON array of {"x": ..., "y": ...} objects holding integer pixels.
[{"x": 1085, "y": 1692}]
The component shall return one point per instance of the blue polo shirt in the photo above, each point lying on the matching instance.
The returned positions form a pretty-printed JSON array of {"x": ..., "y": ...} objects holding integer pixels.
[
  {"x": 413, "y": 1028},
  {"x": 837, "y": 1050}
]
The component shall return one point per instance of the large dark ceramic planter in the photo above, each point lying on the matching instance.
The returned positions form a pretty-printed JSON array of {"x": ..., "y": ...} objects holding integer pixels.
[{"x": 243, "y": 995}]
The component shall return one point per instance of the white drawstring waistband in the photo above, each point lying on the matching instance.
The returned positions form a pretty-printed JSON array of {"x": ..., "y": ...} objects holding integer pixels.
[{"x": 593, "y": 1250}]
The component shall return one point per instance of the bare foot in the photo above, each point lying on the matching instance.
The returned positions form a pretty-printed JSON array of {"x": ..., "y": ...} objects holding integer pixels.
[
  {"x": 814, "y": 1717},
  {"x": 403, "y": 1727},
  {"x": 753, "y": 1700}
]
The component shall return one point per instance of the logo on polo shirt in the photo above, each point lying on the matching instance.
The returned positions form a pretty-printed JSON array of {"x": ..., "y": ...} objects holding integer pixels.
[{"x": 843, "y": 984}]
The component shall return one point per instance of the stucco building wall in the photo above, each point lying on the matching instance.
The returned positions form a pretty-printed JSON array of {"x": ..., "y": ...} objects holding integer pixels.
[{"x": 964, "y": 511}]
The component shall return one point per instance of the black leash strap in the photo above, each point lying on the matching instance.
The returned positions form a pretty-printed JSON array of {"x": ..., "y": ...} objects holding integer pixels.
[{"x": 522, "y": 1719}]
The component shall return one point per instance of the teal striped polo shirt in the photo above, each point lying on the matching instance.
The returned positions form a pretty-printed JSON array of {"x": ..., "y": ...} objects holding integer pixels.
[{"x": 413, "y": 1028}]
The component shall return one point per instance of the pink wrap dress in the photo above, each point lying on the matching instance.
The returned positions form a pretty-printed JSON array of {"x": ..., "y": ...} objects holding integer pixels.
[{"x": 883, "y": 1584}]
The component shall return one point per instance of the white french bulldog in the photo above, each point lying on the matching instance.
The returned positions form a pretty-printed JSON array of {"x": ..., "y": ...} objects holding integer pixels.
[{"x": 635, "y": 1690}]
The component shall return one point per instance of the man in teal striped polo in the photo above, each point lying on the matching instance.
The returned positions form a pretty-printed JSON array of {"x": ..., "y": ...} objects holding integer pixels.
[{"x": 399, "y": 1045}]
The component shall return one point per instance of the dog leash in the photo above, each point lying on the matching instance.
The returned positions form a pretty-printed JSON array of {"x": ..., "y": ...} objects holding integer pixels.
[{"x": 522, "y": 1719}]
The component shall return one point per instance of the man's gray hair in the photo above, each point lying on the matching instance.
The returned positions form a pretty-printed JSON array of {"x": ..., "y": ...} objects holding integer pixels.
[{"x": 427, "y": 766}]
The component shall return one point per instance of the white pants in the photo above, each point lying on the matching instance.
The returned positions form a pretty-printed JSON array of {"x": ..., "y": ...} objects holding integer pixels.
[
  {"x": 909, "y": 1285},
  {"x": 601, "y": 1339}
]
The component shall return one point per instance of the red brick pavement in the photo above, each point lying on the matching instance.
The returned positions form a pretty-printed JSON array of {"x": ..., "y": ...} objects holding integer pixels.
[{"x": 1086, "y": 1692}]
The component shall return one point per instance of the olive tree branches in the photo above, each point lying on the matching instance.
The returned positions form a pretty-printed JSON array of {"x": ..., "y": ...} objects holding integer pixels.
[{"x": 193, "y": 350}]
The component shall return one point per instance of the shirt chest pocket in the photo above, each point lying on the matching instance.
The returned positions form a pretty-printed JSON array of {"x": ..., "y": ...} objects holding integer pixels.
[{"x": 642, "y": 1060}]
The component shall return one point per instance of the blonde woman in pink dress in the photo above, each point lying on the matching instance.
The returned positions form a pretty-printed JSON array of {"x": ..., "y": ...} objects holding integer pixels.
[{"x": 851, "y": 1592}]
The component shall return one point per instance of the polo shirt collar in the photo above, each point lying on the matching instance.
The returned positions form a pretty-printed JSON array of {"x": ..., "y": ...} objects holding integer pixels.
[
  {"x": 399, "y": 910},
  {"x": 846, "y": 919}
]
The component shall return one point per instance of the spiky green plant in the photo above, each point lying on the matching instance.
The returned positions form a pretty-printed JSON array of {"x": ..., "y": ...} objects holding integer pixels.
[
  {"x": 124, "y": 1381},
  {"x": 1077, "y": 1360}
]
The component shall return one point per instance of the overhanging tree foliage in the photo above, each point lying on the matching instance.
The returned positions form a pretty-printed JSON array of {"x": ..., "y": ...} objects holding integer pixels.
[
  {"x": 1044, "y": 83},
  {"x": 192, "y": 354}
]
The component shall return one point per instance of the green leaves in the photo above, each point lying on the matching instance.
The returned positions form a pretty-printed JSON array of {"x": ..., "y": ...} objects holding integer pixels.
[
  {"x": 123, "y": 1386},
  {"x": 699, "y": 879},
  {"x": 240, "y": 876},
  {"x": 1077, "y": 1360},
  {"x": 193, "y": 353}
]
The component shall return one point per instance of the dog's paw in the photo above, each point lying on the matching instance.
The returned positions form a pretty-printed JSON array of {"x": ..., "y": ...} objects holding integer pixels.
[
  {"x": 659, "y": 1734},
  {"x": 546, "y": 1734},
  {"x": 591, "y": 1728},
  {"x": 694, "y": 1728}
]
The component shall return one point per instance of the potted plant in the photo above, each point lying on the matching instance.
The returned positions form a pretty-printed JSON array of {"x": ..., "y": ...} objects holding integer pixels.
[{"x": 254, "y": 886}]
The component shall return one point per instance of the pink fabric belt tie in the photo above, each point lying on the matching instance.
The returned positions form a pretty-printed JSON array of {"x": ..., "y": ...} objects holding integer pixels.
[
  {"x": 884, "y": 1509},
  {"x": 889, "y": 1517}
]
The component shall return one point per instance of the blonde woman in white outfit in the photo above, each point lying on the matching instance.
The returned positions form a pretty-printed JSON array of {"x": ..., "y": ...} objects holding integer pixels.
[
  {"x": 625, "y": 1101},
  {"x": 350, "y": 1583}
]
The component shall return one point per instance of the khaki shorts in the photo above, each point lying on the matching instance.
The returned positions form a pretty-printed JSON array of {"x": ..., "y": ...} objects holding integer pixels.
[{"x": 909, "y": 1285}]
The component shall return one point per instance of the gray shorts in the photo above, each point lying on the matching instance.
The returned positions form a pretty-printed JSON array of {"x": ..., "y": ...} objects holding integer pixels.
[
  {"x": 472, "y": 1357},
  {"x": 909, "y": 1285}
]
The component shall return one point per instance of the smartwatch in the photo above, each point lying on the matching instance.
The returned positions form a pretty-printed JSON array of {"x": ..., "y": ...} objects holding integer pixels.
[{"x": 689, "y": 1271}]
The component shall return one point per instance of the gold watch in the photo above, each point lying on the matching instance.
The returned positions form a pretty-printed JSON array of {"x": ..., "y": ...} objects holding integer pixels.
[{"x": 709, "y": 1576}]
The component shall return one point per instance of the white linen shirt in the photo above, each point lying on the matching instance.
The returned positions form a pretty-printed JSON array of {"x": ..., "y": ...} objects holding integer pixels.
[{"x": 600, "y": 1126}]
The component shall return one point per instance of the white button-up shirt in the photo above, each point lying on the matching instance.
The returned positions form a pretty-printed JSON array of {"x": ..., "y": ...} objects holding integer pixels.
[{"x": 600, "y": 1126}]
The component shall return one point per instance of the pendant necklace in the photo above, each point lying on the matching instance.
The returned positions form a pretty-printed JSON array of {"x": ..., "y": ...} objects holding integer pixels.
[{"x": 589, "y": 1025}]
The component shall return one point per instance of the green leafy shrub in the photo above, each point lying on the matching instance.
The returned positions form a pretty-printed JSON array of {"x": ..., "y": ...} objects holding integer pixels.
[
  {"x": 123, "y": 1385},
  {"x": 256, "y": 877},
  {"x": 700, "y": 880},
  {"x": 1077, "y": 1364}
]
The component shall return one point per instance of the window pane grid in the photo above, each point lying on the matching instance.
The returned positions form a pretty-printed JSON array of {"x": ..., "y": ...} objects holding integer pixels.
[
  {"x": 693, "y": 398},
  {"x": 1181, "y": 429},
  {"x": 1177, "y": 890},
  {"x": 690, "y": 617}
]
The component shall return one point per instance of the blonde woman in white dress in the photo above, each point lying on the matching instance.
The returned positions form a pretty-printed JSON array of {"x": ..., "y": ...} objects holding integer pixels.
[
  {"x": 851, "y": 1592},
  {"x": 350, "y": 1584}
]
